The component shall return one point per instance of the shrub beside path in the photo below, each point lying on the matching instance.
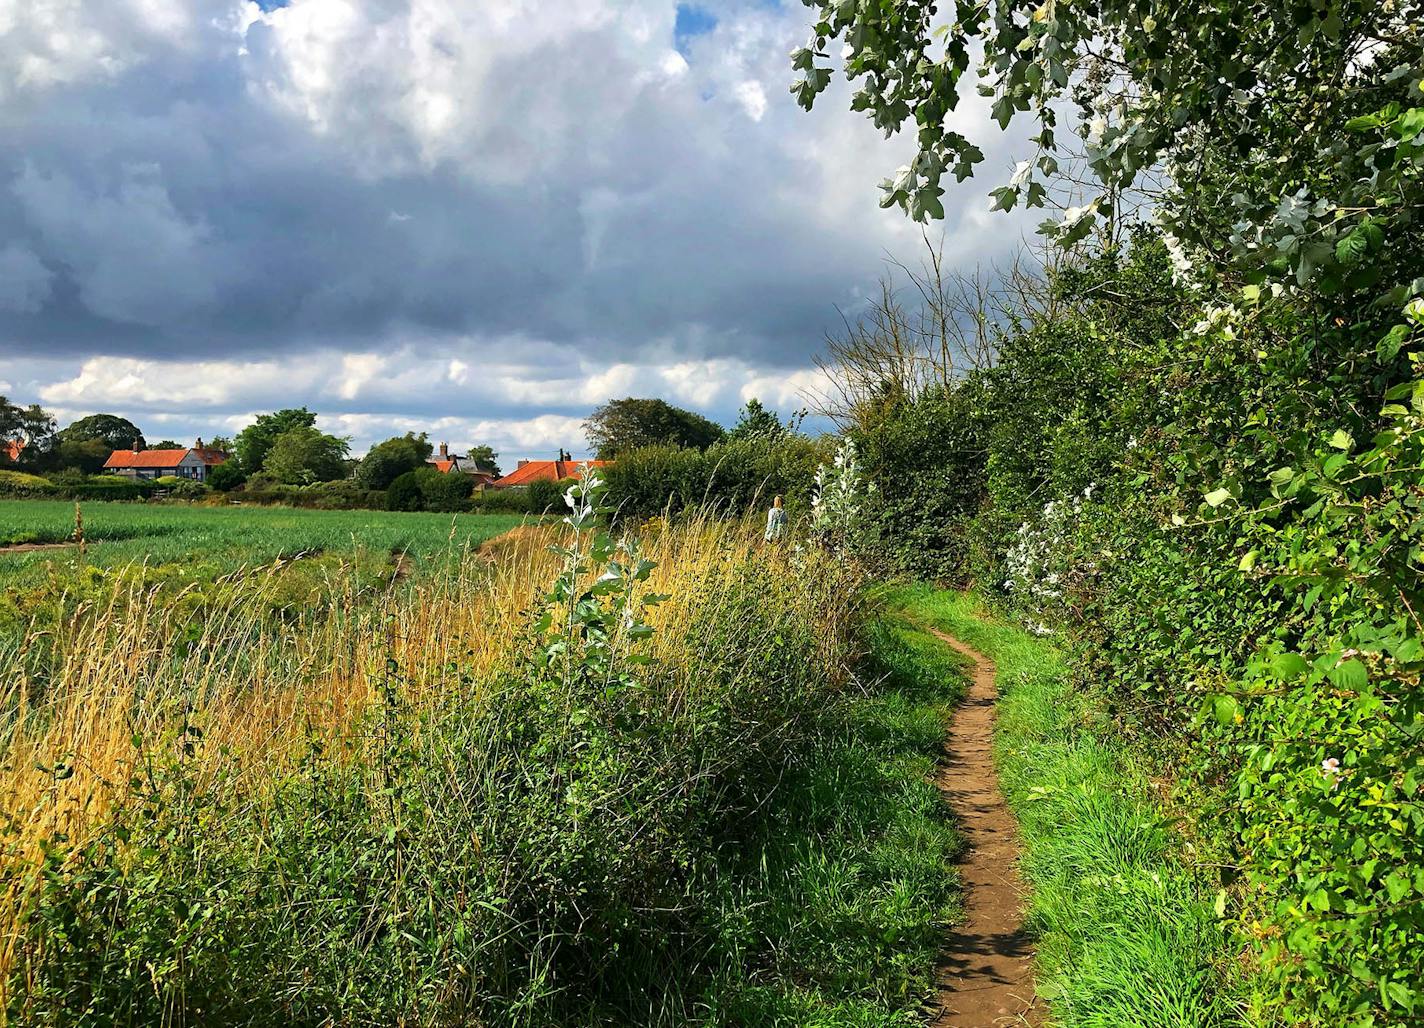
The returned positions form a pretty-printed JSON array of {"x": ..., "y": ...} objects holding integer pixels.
[{"x": 985, "y": 973}]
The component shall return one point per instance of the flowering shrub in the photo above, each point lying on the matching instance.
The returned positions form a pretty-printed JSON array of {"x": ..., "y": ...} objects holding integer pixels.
[
  {"x": 1044, "y": 558},
  {"x": 1327, "y": 724}
]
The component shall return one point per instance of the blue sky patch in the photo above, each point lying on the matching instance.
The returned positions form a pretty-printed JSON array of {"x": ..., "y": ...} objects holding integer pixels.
[{"x": 691, "y": 22}]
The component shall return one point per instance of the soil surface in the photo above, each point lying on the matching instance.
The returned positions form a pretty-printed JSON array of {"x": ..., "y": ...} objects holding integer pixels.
[
  {"x": 985, "y": 973},
  {"x": 27, "y": 547}
]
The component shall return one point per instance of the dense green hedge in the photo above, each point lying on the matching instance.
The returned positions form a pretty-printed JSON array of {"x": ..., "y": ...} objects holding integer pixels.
[
  {"x": 1215, "y": 497},
  {"x": 732, "y": 476},
  {"x": 71, "y": 486}
]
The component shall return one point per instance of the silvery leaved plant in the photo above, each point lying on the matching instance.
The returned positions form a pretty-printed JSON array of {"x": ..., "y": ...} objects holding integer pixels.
[
  {"x": 836, "y": 501},
  {"x": 1042, "y": 561}
]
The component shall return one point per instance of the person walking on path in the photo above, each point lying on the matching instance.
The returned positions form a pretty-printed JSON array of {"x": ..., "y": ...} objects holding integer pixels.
[{"x": 775, "y": 521}]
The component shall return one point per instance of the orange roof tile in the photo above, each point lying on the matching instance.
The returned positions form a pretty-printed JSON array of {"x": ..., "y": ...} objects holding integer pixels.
[
  {"x": 546, "y": 471},
  {"x": 161, "y": 458}
]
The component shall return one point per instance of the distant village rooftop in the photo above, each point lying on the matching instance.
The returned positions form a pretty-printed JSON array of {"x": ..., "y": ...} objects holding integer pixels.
[
  {"x": 529, "y": 471},
  {"x": 192, "y": 462}
]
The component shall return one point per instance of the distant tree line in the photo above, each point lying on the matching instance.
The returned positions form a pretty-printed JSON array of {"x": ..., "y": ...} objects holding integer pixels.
[{"x": 666, "y": 458}]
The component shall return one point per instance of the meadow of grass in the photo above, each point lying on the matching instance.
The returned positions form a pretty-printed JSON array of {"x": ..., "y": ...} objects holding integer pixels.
[
  {"x": 225, "y": 538},
  {"x": 519, "y": 787},
  {"x": 1126, "y": 932}
]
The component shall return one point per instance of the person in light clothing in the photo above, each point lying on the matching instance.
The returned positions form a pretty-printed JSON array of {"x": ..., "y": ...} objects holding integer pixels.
[{"x": 775, "y": 521}]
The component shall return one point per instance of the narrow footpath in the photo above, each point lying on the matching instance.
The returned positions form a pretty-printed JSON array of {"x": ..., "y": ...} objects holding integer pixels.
[{"x": 985, "y": 974}]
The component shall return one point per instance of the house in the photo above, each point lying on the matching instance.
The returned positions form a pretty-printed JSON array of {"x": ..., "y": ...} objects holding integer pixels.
[
  {"x": 452, "y": 463},
  {"x": 546, "y": 471},
  {"x": 195, "y": 462},
  {"x": 12, "y": 448}
]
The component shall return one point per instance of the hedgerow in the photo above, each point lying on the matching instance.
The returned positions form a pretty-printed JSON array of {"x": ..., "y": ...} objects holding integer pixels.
[
  {"x": 731, "y": 476},
  {"x": 1213, "y": 496}
]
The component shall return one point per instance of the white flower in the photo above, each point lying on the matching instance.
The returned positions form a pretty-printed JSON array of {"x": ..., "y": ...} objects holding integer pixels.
[{"x": 1096, "y": 128}]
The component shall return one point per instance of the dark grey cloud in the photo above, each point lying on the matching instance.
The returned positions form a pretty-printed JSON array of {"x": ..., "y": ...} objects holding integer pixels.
[{"x": 587, "y": 191}]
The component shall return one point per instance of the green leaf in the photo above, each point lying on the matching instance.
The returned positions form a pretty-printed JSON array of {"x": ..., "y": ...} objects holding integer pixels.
[
  {"x": 1351, "y": 248},
  {"x": 1342, "y": 440},
  {"x": 1350, "y": 674},
  {"x": 1248, "y": 561},
  {"x": 1393, "y": 342},
  {"x": 1289, "y": 665},
  {"x": 1410, "y": 123},
  {"x": 1224, "y": 709},
  {"x": 1217, "y": 497}
]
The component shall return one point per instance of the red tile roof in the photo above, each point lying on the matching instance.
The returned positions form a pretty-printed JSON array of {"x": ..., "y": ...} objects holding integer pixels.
[
  {"x": 13, "y": 448},
  {"x": 546, "y": 471},
  {"x": 161, "y": 458},
  {"x": 444, "y": 466}
]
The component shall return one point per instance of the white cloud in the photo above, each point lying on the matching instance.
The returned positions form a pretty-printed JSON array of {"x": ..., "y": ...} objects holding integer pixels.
[
  {"x": 790, "y": 391},
  {"x": 358, "y": 369},
  {"x": 480, "y": 395},
  {"x": 128, "y": 382},
  {"x": 752, "y": 98}
]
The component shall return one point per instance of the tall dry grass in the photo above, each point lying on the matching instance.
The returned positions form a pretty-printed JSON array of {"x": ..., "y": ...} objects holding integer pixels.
[{"x": 137, "y": 670}]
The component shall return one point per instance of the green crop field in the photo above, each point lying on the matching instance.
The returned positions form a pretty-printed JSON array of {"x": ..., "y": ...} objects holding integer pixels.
[{"x": 224, "y": 538}]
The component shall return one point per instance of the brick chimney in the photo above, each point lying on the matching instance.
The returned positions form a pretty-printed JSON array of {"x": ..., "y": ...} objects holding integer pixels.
[
  {"x": 138, "y": 444},
  {"x": 199, "y": 444},
  {"x": 444, "y": 451},
  {"x": 521, "y": 464}
]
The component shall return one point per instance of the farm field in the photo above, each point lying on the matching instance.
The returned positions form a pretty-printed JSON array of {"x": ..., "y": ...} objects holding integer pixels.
[{"x": 222, "y": 539}]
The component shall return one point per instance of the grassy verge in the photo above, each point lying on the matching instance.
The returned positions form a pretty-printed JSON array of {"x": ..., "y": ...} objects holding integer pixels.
[
  {"x": 1126, "y": 932},
  {"x": 840, "y": 921}
]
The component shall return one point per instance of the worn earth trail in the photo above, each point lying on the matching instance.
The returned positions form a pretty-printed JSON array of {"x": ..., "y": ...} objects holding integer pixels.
[
  {"x": 985, "y": 973},
  {"x": 31, "y": 547}
]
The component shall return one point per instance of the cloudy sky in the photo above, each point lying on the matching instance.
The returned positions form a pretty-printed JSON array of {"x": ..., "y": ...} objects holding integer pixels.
[{"x": 477, "y": 219}]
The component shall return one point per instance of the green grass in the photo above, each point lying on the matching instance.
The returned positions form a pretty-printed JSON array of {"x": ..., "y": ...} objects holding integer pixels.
[
  {"x": 224, "y": 538},
  {"x": 841, "y": 920},
  {"x": 1126, "y": 933}
]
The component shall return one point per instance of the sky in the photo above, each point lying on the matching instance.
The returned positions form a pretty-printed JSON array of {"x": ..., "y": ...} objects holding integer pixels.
[{"x": 474, "y": 219}]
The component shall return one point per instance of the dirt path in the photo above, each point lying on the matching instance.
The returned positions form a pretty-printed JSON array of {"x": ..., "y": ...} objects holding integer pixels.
[
  {"x": 31, "y": 547},
  {"x": 985, "y": 974}
]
